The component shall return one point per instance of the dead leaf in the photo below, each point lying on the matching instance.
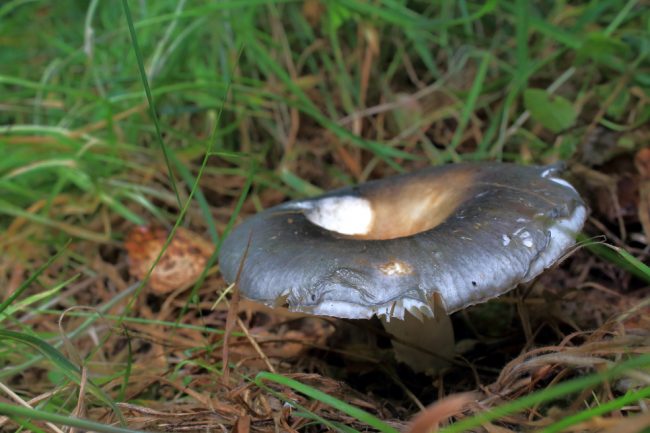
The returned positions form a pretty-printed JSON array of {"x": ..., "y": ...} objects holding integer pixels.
[
  {"x": 430, "y": 418},
  {"x": 243, "y": 424},
  {"x": 181, "y": 264}
]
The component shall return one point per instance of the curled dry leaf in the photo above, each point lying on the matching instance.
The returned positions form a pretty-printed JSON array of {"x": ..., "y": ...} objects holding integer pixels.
[
  {"x": 242, "y": 425},
  {"x": 179, "y": 267},
  {"x": 430, "y": 418}
]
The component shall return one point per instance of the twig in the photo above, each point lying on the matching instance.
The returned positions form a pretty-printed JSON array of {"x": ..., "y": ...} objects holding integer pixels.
[
  {"x": 232, "y": 314},
  {"x": 22, "y": 402},
  {"x": 255, "y": 345}
]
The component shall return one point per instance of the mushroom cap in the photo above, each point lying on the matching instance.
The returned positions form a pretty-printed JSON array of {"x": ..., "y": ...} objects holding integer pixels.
[{"x": 459, "y": 234}]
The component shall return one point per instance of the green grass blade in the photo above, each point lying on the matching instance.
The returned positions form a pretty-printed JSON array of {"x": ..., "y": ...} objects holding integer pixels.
[
  {"x": 189, "y": 179},
  {"x": 211, "y": 151},
  {"x": 390, "y": 12},
  {"x": 634, "y": 262},
  {"x": 69, "y": 369},
  {"x": 556, "y": 33},
  {"x": 620, "y": 258},
  {"x": 152, "y": 108},
  {"x": 316, "y": 394},
  {"x": 10, "y": 6},
  {"x": 601, "y": 409},
  {"x": 304, "y": 413},
  {"x": 521, "y": 34},
  {"x": 298, "y": 184},
  {"x": 485, "y": 9},
  {"x": 129, "y": 366},
  {"x": 69, "y": 91},
  {"x": 24, "y": 303},
  {"x": 120, "y": 209},
  {"x": 11, "y": 298},
  {"x": 74, "y": 230},
  {"x": 213, "y": 258},
  {"x": 14, "y": 369},
  {"x": 474, "y": 93},
  {"x": 620, "y": 17},
  {"x": 87, "y": 425}
]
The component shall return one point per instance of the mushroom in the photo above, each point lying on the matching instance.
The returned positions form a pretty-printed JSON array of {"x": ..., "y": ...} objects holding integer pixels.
[{"x": 411, "y": 248}]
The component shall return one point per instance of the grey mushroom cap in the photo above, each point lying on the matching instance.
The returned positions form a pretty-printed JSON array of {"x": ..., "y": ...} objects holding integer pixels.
[{"x": 460, "y": 234}]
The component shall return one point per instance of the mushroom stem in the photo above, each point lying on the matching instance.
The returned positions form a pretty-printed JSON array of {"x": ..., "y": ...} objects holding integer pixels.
[{"x": 424, "y": 337}]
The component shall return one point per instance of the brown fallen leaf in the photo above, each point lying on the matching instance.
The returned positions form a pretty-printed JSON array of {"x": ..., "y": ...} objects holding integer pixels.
[
  {"x": 430, "y": 418},
  {"x": 179, "y": 267},
  {"x": 242, "y": 425}
]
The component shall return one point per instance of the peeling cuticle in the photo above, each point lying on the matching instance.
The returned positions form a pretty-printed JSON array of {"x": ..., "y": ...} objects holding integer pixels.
[{"x": 396, "y": 267}]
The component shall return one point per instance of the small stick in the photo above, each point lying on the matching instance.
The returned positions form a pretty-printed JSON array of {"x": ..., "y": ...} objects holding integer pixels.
[
  {"x": 255, "y": 345},
  {"x": 22, "y": 402},
  {"x": 232, "y": 314}
]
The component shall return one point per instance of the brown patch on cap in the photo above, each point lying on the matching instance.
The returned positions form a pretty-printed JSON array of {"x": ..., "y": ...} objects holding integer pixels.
[
  {"x": 396, "y": 267},
  {"x": 417, "y": 203}
]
